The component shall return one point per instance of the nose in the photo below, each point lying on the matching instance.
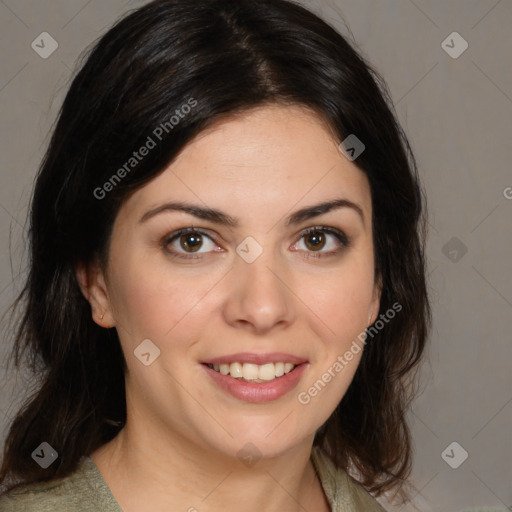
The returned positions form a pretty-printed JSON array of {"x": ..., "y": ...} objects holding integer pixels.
[{"x": 259, "y": 298}]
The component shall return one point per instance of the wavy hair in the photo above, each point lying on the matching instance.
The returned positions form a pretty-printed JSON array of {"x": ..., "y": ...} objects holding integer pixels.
[{"x": 229, "y": 56}]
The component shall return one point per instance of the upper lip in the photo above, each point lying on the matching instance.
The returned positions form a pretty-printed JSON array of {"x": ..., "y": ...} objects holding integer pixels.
[{"x": 259, "y": 359}]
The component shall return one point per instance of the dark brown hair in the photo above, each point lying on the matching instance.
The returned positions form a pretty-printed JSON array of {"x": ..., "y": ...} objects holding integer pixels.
[{"x": 230, "y": 56}]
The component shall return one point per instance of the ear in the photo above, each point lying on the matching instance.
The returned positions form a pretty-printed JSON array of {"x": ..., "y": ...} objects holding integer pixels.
[
  {"x": 93, "y": 285},
  {"x": 375, "y": 303}
]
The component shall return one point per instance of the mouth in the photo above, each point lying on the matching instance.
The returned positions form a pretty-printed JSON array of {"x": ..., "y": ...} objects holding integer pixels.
[
  {"x": 250, "y": 372},
  {"x": 254, "y": 377}
]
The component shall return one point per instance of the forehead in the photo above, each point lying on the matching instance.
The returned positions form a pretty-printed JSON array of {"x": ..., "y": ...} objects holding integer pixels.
[{"x": 268, "y": 158}]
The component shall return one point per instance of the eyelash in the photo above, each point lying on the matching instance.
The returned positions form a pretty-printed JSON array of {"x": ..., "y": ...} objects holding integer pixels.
[{"x": 342, "y": 238}]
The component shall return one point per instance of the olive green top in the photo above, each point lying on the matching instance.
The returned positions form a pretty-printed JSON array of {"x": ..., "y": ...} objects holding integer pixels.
[{"x": 86, "y": 491}]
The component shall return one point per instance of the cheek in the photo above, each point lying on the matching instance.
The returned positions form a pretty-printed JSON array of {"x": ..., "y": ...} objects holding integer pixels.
[
  {"x": 341, "y": 302},
  {"x": 343, "y": 299},
  {"x": 150, "y": 301}
]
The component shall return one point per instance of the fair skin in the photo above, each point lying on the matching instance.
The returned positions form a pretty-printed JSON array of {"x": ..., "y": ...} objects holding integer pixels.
[{"x": 178, "y": 450}]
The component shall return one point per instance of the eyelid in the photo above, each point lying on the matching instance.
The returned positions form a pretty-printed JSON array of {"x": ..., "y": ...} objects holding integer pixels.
[
  {"x": 344, "y": 242},
  {"x": 168, "y": 239},
  {"x": 342, "y": 237},
  {"x": 175, "y": 234}
]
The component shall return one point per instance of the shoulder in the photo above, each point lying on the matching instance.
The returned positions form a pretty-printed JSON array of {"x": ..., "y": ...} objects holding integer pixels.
[
  {"x": 343, "y": 493},
  {"x": 82, "y": 491}
]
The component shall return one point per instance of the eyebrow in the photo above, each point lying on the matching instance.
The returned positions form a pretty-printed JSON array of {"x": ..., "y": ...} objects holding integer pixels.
[{"x": 221, "y": 218}]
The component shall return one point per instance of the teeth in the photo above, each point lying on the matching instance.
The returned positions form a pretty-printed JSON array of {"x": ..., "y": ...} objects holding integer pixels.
[
  {"x": 236, "y": 370},
  {"x": 253, "y": 372},
  {"x": 267, "y": 372},
  {"x": 250, "y": 371}
]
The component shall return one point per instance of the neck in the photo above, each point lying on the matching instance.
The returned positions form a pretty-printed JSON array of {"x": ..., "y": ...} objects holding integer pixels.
[{"x": 178, "y": 475}]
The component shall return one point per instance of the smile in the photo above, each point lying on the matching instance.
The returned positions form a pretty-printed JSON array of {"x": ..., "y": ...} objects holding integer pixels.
[
  {"x": 252, "y": 372},
  {"x": 256, "y": 389}
]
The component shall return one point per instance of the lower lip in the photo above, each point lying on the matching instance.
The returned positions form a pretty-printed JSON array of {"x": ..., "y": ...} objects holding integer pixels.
[{"x": 258, "y": 392}]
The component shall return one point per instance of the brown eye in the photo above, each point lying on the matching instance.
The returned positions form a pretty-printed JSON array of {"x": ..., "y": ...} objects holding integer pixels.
[
  {"x": 191, "y": 242},
  {"x": 322, "y": 242},
  {"x": 315, "y": 240}
]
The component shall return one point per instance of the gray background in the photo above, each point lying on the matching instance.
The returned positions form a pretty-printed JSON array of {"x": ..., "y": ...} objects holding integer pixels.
[{"x": 458, "y": 115}]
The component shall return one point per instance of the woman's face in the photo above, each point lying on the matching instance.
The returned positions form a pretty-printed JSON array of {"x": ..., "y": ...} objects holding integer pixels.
[{"x": 251, "y": 282}]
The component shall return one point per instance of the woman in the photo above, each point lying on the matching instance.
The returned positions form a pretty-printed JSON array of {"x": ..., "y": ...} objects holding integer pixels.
[{"x": 227, "y": 287}]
